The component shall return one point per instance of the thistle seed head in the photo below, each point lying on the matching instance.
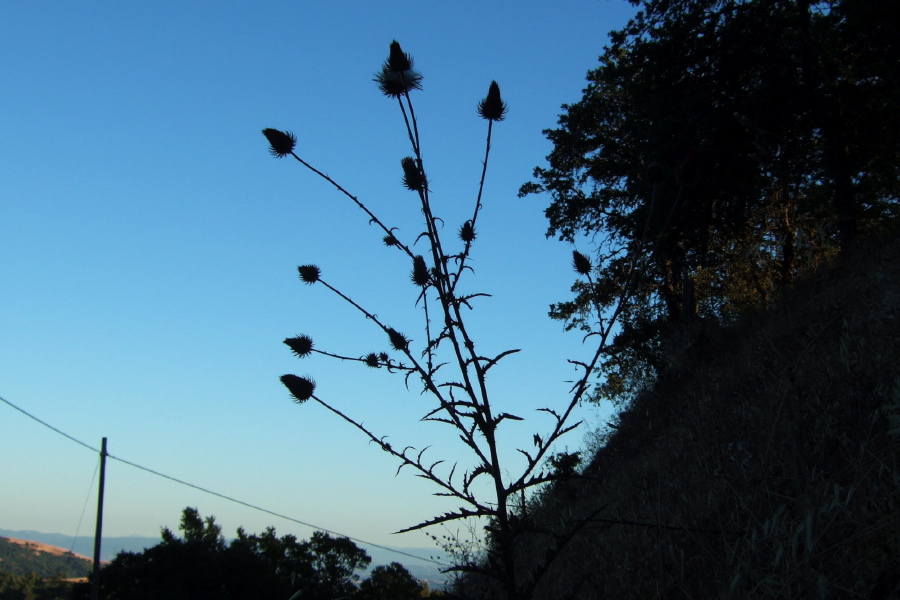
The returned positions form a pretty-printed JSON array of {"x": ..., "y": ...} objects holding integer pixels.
[
  {"x": 398, "y": 340},
  {"x": 420, "y": 275},
  {"x": 309, "y": 273},
  {"x": 301, "y": 388},
  {"x": 371, "y": 360},
  {"x": 301, "y": 345},
  {"x": 389, "y": 240},
  {"x": 492, "y": 107},
  {"x": 467, "y": 232},
  {"x": 413, "y": 177},
  {"x": 398, "y": 60},
  {"x": 581, "y": 263},
  {"x": 397, "y": 77},
  {"x": 281, "y": 143}
]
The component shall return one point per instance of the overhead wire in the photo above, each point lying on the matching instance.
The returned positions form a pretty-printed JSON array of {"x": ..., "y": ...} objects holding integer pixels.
[
  {"x": 84, "y": 508},
  {"x": 219, "y": 495}
]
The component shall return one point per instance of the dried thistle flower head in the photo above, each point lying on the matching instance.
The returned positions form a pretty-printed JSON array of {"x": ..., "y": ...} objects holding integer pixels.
[
  {"x": 467, "y": 232},
  {"x": 309, "y": 273},
  {"x": 281, "y": 143},
  {"x": 389, "y": 240},
  {"x": 581, "y": 263},
  {"x": 301, "y": 388},
  {"x": 301, "y": 345},
  {"x": 420, "y": 275},
  {"x": 397, "y": 77},
  {"x": 413, "y": 177},
  {"x": 371, "y": 360},
  {"x": 398, "y": 60},
  {"x": 398, "y": 340},
  {"x": 493, "y": 108}
]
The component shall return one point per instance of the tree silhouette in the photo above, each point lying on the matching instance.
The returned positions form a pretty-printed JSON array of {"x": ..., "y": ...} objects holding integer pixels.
[
  {"x": 721, "y": 149},
  {"x": 202, "y": 565},
  {"x": 391, "y": 582}
]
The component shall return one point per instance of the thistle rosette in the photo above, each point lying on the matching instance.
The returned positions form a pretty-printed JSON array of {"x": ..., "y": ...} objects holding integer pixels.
[{"x": 397, "y": 76}]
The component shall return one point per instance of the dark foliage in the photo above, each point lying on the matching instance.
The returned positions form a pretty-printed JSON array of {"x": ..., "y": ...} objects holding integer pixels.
[
  {"x": 201, "y": 565},
  {"x": 33, "y": 587},
  {"x": 761, "y": 464},
  {"x": 722, "y": 149},
  {"x": 391, "y": 582}
]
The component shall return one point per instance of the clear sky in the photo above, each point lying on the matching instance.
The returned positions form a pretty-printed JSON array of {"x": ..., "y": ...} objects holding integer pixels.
[{"x": 150, "y": 244}]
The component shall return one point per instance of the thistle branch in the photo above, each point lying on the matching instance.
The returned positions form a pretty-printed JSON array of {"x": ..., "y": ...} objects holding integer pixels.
[
  {"x": 372, "y": 217},
  {"x": 425, "y": 472},
  {"x": 425, "y": 375}
]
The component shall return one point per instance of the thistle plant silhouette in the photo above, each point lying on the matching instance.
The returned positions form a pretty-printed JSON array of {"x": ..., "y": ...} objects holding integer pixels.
[{"x": 448, "y": 366}]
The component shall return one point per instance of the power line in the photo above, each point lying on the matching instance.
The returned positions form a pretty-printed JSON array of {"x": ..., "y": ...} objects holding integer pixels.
[
  {"x": 273, "y": 513},
  {"x": 84, "y": 508},
  {"x": 217, "y": 494},
  {"x": 49, "y": 426}
]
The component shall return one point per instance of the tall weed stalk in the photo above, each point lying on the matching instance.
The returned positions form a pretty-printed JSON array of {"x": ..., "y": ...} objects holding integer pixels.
[{"x": 447, "y": 365}]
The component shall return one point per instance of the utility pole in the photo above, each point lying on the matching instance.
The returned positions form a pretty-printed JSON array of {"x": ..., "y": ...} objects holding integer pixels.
[{"x": 95, "y": 577}]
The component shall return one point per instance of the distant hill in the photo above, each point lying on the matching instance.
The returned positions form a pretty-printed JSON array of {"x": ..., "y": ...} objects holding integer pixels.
[
  {"x": 84, "y": 545},
  {"x": 21, "y": 557}
]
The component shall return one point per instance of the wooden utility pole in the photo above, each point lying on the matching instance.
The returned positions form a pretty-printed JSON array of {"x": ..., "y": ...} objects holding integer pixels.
[{"x": 95, "y": 577}]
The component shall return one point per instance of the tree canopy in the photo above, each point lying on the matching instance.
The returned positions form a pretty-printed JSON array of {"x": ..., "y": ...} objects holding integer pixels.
[
  {"x": 202, "y": 565},
  {"x": 391, "y": 582},
  {"x": 721, "y": 149}
]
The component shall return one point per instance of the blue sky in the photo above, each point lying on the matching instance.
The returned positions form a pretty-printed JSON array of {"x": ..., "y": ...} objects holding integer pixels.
[{"x": 150, "y": 246}]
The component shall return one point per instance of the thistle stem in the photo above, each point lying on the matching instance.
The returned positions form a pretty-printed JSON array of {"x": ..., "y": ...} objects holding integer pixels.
[{"x": 487, "y": 153}]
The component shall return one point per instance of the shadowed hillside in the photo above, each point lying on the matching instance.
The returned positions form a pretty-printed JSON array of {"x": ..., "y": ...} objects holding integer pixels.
[
  {"x": 35, "y": 571},
  {"x": 762, "y": 464}
]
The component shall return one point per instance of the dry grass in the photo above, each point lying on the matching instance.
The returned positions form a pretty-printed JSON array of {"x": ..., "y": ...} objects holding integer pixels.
[
  {"x": 39, "y": 547},
  {"x": 763, "y": 464}
]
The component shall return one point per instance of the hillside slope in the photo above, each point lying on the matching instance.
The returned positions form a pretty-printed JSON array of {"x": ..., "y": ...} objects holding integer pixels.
[
  {"x": 762, "y": 464},
  {"x": 22, "y": 557}
]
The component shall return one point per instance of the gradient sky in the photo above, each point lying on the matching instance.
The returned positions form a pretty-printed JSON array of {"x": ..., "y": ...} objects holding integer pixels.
[{"x": 150, "y": 246}]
